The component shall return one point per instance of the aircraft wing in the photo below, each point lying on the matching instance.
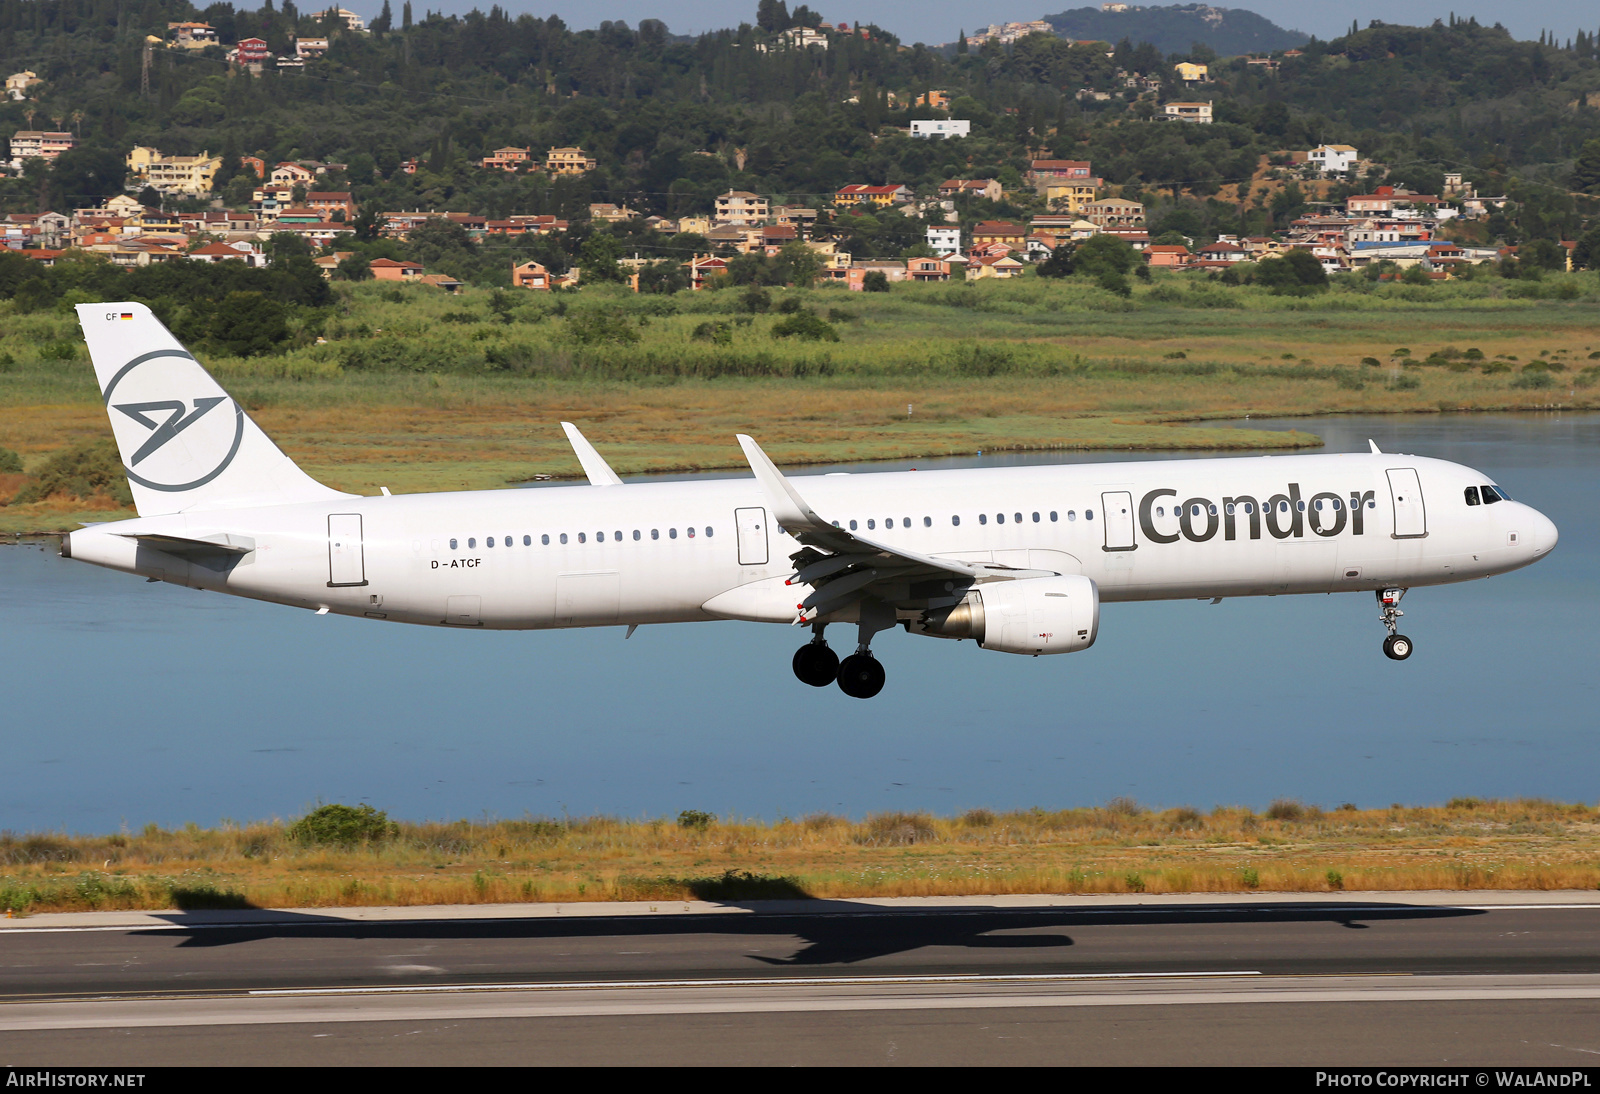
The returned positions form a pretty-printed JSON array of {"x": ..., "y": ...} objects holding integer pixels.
[{"x": 842, "y": 567}]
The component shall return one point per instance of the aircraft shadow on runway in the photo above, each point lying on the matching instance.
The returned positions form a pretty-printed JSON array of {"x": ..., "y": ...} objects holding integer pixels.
[{"x": 829, "y": 932}]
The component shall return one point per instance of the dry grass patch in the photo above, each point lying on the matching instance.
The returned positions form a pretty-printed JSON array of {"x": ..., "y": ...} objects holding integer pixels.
[{"x": 1119, "y": 848}]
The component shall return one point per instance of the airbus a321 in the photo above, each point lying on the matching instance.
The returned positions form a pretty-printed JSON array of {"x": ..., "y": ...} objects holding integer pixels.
[{"x": 1017, "y": 559}]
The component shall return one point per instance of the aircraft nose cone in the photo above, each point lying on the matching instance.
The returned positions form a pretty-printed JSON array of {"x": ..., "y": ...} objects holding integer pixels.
[{"x": 1542, "y": 533}]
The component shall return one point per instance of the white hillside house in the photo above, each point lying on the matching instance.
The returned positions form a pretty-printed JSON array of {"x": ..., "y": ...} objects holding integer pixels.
[
  {"x": 1333, "y": 159},
  {"x": 929, "y": 129}
]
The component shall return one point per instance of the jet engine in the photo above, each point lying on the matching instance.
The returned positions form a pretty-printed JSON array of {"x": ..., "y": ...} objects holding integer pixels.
[{"x": 1032, "y": 616}]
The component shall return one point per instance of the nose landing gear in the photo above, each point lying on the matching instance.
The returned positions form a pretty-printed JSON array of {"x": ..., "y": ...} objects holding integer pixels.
[{"x": 1397, "y": 647}]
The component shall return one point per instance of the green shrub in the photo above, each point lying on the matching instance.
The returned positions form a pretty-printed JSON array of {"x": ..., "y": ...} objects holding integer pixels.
[
  {"x": 695, "y": 820},
  {"x": 720, "y": 334},
  {"x": 875, "y": 281},
  {"x": 1286, "y": 809},
  {"x": 596, "y": 328},
  {"x": 1335, "y": 879},
  {"x": 1533, "y": 381},
  {"x": 1405, "y": 383},
  {"x": 807, "y": 326},
  {"x": 343, "y": 825},
  {"x": 10, "y": 462},
  {"x": 1249, "y": 878},
  {"x": 81, "y": 472}
]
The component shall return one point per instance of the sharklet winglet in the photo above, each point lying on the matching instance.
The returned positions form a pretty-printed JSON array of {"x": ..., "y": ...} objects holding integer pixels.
[{"x": 594, "y": 465}]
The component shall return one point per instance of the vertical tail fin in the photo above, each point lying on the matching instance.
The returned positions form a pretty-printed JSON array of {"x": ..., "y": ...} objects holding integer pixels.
[{"x": 185, "y": 443}]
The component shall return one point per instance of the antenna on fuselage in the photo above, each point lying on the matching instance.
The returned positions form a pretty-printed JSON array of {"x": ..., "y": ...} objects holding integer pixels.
[{"x": 1376, "y": 451}]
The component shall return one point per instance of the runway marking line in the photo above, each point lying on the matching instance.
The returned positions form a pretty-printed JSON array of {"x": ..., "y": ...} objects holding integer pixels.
[{"x": 764, "y": 981}]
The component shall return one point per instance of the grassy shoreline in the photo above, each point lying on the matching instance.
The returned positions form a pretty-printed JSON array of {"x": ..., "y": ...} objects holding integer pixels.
[
  {"x": 417, "y": 391},
  {"x": 1119, "y": 848}
]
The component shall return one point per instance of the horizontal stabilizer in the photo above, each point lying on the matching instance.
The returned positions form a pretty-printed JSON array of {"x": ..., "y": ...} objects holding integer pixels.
[{"x": 186, "y": 548}]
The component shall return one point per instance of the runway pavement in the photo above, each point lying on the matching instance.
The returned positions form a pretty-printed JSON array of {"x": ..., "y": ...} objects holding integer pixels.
[{"x": 1369, "y": 978}]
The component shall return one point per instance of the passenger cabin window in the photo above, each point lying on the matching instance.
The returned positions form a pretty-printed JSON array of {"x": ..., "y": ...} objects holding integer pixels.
[
  {"x": 636, "y": 535},
  {"x": 489, "y": 542},
  {"x": 527, "y": 541},
  {"x": 871, "y": 524},
  {"x": 905, "y": 522},
  {"x": 472, "y": 541},
  {"x": 983, "y": 518},
  {"x": 655, "y": 533},
  {"x": 927, "y": 522},
  {"x": 999, "y": 518},
  {"x": 1018, "y": 517},
  {"x": 452, "y": 544},
  {"x": 672, "y": 533},
  {"x": 563, "y": 537},
  {"x": 955, "y": 520},
  {"x": 852, "y": 526},
  {"x": 690, "y": 531},
  {"x": 1036, "y": 518},
  {"x": 708, "y": 530},
  {"x": 545, "y": 539},
  {"x": 583, "y": 537},
  {"x": 1088, "y": 514},
  {"x": 1053, "y": 515}
]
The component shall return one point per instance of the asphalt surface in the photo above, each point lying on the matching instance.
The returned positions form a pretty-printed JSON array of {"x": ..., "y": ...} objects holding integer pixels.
[{"x": 1374, "y": 980}]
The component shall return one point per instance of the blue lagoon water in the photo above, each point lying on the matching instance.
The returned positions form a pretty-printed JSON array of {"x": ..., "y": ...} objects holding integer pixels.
[{"x": 127, "y": 703}]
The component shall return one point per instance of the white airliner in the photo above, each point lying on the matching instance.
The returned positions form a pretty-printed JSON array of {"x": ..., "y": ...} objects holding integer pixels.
[{"x": 1018, "y": 559}]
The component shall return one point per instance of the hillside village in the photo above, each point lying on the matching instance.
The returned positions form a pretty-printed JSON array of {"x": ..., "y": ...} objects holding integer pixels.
[{"x": 215, "y": 206}]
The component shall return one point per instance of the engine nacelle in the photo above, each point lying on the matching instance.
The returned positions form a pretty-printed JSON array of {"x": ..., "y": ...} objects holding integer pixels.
[{"x": 1033, "y": 616}]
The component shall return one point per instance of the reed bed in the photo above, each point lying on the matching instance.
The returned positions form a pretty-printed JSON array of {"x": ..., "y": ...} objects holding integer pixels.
[{"x": 1118, "y": 848}]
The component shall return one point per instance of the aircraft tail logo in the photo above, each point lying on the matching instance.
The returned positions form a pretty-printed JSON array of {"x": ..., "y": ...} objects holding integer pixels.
[{"x": 185, "y": 443}]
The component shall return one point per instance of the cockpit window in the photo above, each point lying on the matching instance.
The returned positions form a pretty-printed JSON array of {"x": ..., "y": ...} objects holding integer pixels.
[
  {"x": 1492, "y": 494},
  {"x": 1472, "y": 495}
]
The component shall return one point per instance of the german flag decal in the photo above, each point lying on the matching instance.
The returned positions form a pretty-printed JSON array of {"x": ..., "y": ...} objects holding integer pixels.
[{"x": 127, "y": 315}]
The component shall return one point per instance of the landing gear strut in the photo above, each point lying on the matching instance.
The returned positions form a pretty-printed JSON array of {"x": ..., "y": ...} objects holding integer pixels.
[
  {"x": 860, "y": 675},
  {"x": 815, "y": 663},
  {"x": 1397, "y": 647}
]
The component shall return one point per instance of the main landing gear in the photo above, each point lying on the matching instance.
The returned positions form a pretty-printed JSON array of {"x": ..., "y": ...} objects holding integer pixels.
[
  {"x": 815, "y": 663},
  {"x": 1397, "y": 647},
  {"x": 859, "y": 676}
]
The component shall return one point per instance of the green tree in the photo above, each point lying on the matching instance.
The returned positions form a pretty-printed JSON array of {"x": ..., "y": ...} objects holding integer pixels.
[
  {"x": 1586, "y": 168},
  {"x": 598, "y": 258},
  {"x": 1059, "y": 264},
  {"x": 1296, "y": 272},
  {"x": 248, "y": 324},
  {"x": 1104, "y": 254}
]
